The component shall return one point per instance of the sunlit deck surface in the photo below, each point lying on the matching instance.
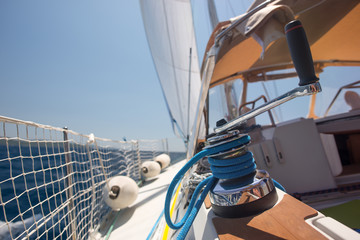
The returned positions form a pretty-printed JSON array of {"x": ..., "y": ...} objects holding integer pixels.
[{"x": 136, "y": 221}]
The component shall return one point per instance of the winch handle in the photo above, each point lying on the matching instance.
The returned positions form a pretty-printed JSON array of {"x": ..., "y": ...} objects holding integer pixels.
[
  {"x": 300, "y": 52},
  {"x": 308, "y": 84}
]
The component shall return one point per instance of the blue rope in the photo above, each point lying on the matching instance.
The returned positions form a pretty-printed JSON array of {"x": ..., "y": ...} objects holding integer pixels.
[
  {"x": 221, "y": 169},
  {"x": 189, "y": 221},
  {"x": 178, "y": 177},
  {"x": 171, "y": 188},
  {"x": 154, "y": 227},
  {"x": 233, "y": 168},
  {"x": 279, "y": 186}
]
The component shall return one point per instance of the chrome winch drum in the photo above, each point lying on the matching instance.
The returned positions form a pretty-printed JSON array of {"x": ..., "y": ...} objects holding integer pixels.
[
  {"x": 244, "y": 194},
  {"x": 230, "y": 201}
]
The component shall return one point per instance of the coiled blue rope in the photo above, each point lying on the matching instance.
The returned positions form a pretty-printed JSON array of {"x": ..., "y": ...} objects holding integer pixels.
[
  {"x": 222, "y": 169},
  {"x": 233, "y": 168}
]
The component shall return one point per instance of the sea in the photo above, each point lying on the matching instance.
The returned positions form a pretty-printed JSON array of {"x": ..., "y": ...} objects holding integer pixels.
[{"x": 27, "y": 195}]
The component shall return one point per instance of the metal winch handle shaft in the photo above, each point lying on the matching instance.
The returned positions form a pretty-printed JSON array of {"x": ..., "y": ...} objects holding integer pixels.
[
  {"x": 296, "y": 92},
  {"x": 301, "y": 56}
]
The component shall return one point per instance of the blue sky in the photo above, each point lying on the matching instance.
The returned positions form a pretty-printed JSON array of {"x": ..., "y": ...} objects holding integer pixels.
[
  {"x": 81, "y": 64},
  {"x": 86, "y": 65}
]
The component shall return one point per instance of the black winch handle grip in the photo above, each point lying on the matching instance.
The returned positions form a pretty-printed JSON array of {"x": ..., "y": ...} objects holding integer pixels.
[{"x": 300, "y": 52}]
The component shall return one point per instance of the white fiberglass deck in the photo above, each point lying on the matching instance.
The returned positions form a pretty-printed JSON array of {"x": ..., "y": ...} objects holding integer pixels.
[{"x": 136, "y": 221}]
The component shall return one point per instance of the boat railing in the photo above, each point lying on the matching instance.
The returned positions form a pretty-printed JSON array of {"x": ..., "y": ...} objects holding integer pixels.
[
  {"x": 348, "y": 86},
  {"x": 52, "y": 179},
  {"x": 240, "y": 109}
]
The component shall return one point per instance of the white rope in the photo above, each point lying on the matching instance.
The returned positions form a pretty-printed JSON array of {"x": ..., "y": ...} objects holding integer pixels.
[{"x": 33, "y": 171}]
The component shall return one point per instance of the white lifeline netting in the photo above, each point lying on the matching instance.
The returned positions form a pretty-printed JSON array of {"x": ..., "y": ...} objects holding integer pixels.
[{"x": 51, "y": 180}]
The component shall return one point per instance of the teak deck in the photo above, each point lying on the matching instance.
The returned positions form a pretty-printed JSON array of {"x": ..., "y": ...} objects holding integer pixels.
[{"x": 284, "y": 221}]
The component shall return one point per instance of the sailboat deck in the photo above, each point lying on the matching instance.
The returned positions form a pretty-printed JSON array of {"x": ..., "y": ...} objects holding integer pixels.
[{"x": 136, "y": 221}]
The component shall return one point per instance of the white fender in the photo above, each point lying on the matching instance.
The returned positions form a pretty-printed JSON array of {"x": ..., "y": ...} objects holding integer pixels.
[
  {"x": 150, "y": 169},
  {"x": 163, "y": 160},
  {"x": 124, "y": 191}
]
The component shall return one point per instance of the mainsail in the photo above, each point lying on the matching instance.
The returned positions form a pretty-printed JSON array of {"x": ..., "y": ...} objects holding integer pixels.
[{"x": 171, "y": 37}]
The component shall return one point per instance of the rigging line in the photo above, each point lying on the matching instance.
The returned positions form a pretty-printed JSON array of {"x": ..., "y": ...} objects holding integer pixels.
[
  {"x": 172, "y": 65},
  {"x": 189, "y": 91},
  {"x": 277, "y": 94},
  {"x": 213, "y": 16},
  {"x": 309, "y": 8},
  {"x": 173, "y": 62},
  {"x": 179, "y": 130},
  {"x": 209, "y": 26},
  {"x": 192, "y": 36},
  {"x": 228, "y": 87},
  {"x": 195, "y": 69},
  {"x": 245, "y": 8},
  {"x": 232, "y": 8},
  {"x": 193, "y": 32},
  {"x": 268, "y": 96}
]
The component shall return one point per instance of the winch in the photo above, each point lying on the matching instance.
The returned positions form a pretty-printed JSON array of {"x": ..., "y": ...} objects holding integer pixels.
[{"x": 241, "y": 190}]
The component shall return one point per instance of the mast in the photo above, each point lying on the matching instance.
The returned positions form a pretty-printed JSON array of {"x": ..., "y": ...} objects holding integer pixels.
[
  {"x": 229, "y": 90},
  {"x": 214, "y": 20},
  {"x": 189, "y": 96}
]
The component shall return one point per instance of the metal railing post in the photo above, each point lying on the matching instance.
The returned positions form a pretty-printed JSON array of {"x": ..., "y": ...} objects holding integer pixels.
[
  {"x": 167, "y": 146},
  {"x": 69, "y": 190}
]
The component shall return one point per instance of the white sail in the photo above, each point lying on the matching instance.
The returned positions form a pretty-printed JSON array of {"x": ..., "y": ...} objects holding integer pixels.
[{"x": 171, "y": 37}]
